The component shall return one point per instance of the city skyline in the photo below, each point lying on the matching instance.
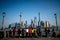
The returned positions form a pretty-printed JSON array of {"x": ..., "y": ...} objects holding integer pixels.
[{"x": 29, "y": 10}]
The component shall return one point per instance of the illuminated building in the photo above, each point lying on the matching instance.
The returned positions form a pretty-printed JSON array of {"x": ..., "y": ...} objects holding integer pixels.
[
  {"x": 46, "y": 24},
  {"x": 22, "y": 25}
]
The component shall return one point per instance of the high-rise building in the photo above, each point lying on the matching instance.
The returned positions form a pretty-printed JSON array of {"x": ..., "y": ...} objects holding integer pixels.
[
  {"x": 56, "y": 21},
  {"x": 26, "y": 24},
  {"x": 35, "y": 22},
  {"x": 31, "y": 23},
  {"x": 22, "y": 25},
  {"x": 47, "y": 24},
  {"x": 39, "y": 19},
  {"x": 41, "y": 23},
  {"x": 21, "y": 22},
  {"x": 20, "y": 17}
]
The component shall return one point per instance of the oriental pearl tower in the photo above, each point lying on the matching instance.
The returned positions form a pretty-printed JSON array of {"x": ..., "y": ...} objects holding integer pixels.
[
  {"x": 21, "y": 22},
  {"x": 20, "y": 17}
]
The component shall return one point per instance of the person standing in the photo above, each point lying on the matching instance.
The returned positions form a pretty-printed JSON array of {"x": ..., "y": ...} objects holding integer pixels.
[
  {"x": 46, "y": 32},
  {"x": 23, "y": 32},
  {"x": 38, "y": 32},
  {"x": 26, "y": 32},
  {"x": 30, "y": 32},
  {"x": 53, "y": 33},
  {"x": 14, "y": 30},
  {"x": 33, "y": 32},
  {"x": 10, "y": 33},
  {"x": 19, "y": 32}
]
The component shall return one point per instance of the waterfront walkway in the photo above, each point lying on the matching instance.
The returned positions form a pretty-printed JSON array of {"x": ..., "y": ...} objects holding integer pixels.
[{"x": 42, "y": 38}]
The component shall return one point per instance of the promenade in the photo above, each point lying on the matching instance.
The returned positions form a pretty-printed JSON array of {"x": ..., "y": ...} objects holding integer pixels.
[{"x": 42, "y": 38}]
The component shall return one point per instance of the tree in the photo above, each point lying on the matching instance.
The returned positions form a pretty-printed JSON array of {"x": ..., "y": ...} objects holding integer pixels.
[
  {"x": 9, "y": 25},
  {"x": 42, "y": 23}
]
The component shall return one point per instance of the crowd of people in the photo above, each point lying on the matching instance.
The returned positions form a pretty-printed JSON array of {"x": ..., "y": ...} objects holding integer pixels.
[{"x": 31, "y": 32}]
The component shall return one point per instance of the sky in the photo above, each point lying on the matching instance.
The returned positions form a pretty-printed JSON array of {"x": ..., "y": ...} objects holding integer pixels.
[{"x": 29, "y": 9}]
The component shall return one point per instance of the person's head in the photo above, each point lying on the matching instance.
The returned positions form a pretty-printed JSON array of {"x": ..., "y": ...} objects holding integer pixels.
[
  {"x": 32, "y": 28},
  {"x": 18, "y": 28},
  {"x": 39, "y": 27},
  {"x": 14, "y": 27}
]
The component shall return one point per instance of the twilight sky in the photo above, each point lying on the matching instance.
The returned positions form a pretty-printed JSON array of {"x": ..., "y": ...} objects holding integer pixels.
[{"x": 29, "y": 9}]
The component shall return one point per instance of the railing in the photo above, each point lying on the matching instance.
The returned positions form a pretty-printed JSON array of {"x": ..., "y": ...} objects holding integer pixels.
[{"x": 16, "y": 33}]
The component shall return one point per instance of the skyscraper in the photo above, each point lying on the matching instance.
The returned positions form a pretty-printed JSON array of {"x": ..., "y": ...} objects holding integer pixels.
[
  {"x": 31, "y": 23},
  {"x": 26, "y": 24},
  {"x": 46, "y": 24},
  {"x": 35, "y": 22},
  {"x": 39, "y": 19},
  {"x": 21, "y": 22},
  {"x": 20, "y": 17},
  {"x": 56, "y": 20}
]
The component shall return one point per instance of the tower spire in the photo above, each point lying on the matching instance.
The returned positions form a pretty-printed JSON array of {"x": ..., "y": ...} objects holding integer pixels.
[
  {"x": 20, "y": 17},
  {"x": 39, "y": 19},
  {"x": 39, "y": 16},
  {"x": 35, "y": 20}
]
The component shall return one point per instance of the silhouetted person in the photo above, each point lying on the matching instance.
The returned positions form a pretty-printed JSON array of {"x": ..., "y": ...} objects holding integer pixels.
[
  {"x": 7, "y": 34},
  {"x": 39, "y": 32},
  {"x": 53, "y": 30},
  {"x": 46, "y": 32},
  {"x": 22, "y": 32},
  {"x": 19, "y": 32},
  {"x": 14, "y": 30},
  {"x": 10, "y": 32},
  {"x": 53, "y": 33}
]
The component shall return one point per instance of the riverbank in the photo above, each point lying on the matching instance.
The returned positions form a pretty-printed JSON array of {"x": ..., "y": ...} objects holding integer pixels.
[{"x": 41, "y": 38}]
